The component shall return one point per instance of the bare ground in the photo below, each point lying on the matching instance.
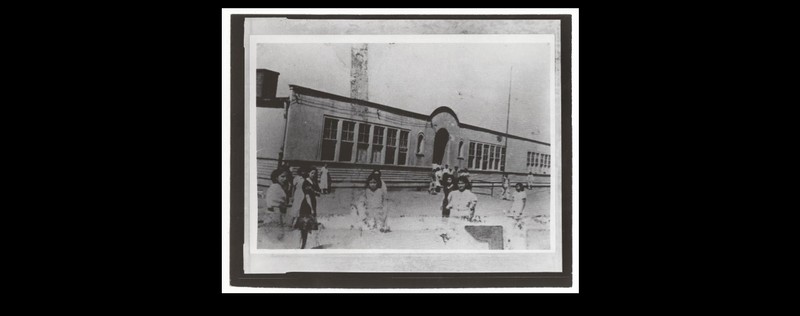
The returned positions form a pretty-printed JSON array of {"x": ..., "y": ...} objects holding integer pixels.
[{"x": 416, "y": 223}]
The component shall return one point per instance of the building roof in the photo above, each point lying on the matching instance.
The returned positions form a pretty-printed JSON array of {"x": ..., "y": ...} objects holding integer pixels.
[{"x": 386, "y": 108}]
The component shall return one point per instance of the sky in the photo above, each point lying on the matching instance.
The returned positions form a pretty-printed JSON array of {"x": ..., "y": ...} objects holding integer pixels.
[{"x": 471, "y": 78}]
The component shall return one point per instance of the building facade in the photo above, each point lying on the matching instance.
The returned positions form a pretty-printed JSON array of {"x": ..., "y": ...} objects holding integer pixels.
[{"x": 356, "y": 136}]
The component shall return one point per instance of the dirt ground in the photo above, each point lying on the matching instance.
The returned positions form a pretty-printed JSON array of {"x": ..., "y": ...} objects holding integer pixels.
[{"x": 416, "y": 223}]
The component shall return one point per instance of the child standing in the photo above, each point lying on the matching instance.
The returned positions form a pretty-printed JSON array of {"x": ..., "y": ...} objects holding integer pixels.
[
  {"x": 448, "y": 185},
  {"x": 432, "y": 187},
  {"x": 324, "y": 179},
  {"x": 297, "y": 195},
  {"x": 505, "y": 187},
  {"x": 438, "y": 181},
  {"x": 307, "y": 218},
  {"x": 277, "y": 200},
  {"x": 463, "y": 200},
  {"x": 520, "y": 198},
  {"x": 372, "y": 205}
]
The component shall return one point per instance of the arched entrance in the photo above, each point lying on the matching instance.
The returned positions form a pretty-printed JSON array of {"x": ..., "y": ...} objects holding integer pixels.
[{"x": 440, "y": 145}]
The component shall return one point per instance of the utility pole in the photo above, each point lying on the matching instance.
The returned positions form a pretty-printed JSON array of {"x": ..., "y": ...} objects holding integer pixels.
[{"x": 508, "y": 111}]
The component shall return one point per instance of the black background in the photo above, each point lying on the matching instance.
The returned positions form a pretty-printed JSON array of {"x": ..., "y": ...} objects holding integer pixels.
[{"x": 158, "y": 196}]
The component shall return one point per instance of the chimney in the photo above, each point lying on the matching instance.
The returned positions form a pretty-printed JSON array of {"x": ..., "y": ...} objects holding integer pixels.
[
  {"x": 358, "y": 72},
  {"x": 266, "y": 83}
]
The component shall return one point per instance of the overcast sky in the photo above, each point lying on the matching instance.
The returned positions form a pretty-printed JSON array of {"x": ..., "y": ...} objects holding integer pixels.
[{"x": 472, "y": 79}]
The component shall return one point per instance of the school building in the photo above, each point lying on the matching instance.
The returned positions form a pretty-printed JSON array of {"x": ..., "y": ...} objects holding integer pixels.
[{"x": 354, "y": 136}]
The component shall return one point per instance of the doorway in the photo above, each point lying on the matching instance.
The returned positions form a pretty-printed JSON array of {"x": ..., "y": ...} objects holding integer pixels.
[{"x": 440, "y": 145}]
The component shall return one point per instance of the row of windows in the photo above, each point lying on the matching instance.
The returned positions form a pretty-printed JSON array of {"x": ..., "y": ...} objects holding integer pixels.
[
  {"x": 486, "y": 157},
  {"x": 381, "y": 144},
  {"x": 538, "y": 160},
  {"x": 387, "y": 145}
]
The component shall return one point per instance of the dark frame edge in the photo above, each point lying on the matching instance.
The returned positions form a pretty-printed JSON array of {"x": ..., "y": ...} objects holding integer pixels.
[{"x": 392, "y": 280}]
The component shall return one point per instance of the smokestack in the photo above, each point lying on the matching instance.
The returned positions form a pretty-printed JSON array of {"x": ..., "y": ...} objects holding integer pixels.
[
  {"x": 358, "y": 72},
  {"x": 266, "y": 83}
]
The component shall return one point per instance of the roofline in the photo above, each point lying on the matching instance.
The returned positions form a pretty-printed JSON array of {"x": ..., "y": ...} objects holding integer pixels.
[
  {"x": 483, "y": 129},
  {"x": 381, "y": 107},
  {"x": 446, "y": 109},
  {"x": 309, "y": 91}
]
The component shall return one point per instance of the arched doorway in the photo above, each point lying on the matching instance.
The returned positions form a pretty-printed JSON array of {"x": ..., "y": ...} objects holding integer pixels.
[{"x": 440, "y": 145}]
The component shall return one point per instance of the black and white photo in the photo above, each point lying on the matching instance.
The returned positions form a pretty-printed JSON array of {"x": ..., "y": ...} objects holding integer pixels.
[{"x": 403, "y": 145}]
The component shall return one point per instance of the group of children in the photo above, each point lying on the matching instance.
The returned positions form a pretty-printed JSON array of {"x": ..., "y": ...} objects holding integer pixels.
[
  {"x": 459, "y": 197},
  {"x": 304, "y": 190},
  {"x": 438, "y": 177},
  {"x": 304, "y": 199},
  {"x": 370, "y": 207}
]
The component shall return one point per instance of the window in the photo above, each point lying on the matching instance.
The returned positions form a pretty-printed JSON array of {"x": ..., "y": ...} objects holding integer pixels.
[
  {"x": 391, "y": 146},
  {"x": 461, "y": 149},
  {"x": 478, "y": 156},
  {"x": 542, "y": 161},
  {"x": 329, "y": 135},
  {"x": 528, "y": 161},
  {"x": 373, "y": 143},
  {"x": 486, "y": 157},
  {"x": 420, "y": 143},
  {"x": 531, "y": 161},
  {"x": 503, "y": 159},
  {"x": 535, "y": 159},
  {"x": 363, "y": 142},
  {"x": 491, "y": 157},
  {"x": 471, "y": 155},
  {"x": 401, "y": 155},
  {"x": 485, "y": 161},
  {"x": 348, "y": 134},
  {"x": 377, "y": 144},
  {"x": 497, "y": 158}
]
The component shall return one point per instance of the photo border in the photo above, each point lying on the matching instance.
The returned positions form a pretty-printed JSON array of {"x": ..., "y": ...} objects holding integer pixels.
[{"x": 395, "y": 279}]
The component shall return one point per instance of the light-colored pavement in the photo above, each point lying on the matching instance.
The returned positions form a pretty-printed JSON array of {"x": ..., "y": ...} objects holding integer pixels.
[{"x": 416, "y": 223}]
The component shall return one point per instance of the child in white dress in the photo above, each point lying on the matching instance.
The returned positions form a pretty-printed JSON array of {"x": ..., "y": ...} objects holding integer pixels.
[
  {"x": 370, "y": 207},
  {"x": 324, "y": 179},
  {"x": 462, "y": 201},
  {"x": 520, "y": 198}
]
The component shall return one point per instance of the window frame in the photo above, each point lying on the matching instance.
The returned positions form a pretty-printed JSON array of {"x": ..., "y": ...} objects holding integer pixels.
[
  {"x": 370, "y": 136},
  {"x": 352, "y": 142},
  {"x": 390, "y": 145},
  {"x": 330, "y": 133},
  {"x": 471, "y": 154},
  {"x": 480, "y": 152},
  {"x": 401, "y": 148}
]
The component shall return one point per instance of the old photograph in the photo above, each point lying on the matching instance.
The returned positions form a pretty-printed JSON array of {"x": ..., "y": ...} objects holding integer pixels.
[{"x": 403, "y": 145}]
